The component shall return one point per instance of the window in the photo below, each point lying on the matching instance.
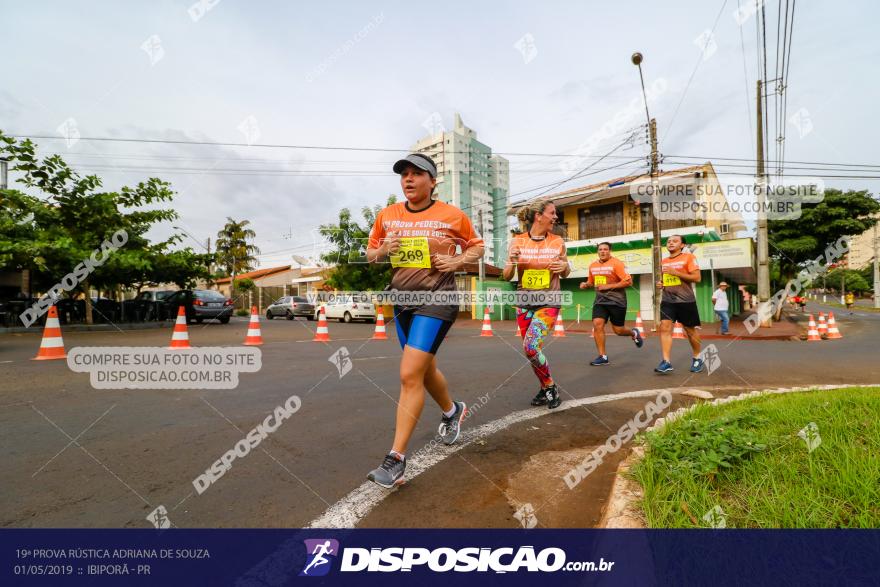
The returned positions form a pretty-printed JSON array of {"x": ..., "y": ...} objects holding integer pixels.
[
  {"x": 724, "y": 228},
  {"x": 600, "y": 221}
]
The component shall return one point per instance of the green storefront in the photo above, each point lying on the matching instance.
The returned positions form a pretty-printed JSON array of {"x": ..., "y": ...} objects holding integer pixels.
[{"x": 727, "y": 260}]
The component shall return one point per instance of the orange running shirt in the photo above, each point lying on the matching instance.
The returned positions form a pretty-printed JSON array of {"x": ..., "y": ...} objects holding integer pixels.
[
  {"x": 674, "y": 289},
  {"x": 610, "y": 272},
  {"x": 535, "y": 255},
  {"x": 437, "y": 229}
]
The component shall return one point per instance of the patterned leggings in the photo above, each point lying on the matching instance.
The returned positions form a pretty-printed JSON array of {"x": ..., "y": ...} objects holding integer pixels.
[{"x": 534, "y": 326}]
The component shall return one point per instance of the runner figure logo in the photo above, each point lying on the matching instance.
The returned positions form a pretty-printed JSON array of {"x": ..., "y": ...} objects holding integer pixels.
[
  {"x": 318, "y": 553},
  {"x": 342, "y": 359}
]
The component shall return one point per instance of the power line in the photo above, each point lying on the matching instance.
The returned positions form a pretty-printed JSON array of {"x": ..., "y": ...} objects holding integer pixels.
[
  {"x": 709, "y": 158},
  {"x": 693, "y": 73},
  {"x": 285, "y": 146},
  {"x": 742, "y": 44}
]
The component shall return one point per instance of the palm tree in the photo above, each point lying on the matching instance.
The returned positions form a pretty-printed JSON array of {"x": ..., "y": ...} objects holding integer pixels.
[{"x": 234, "y": 252}]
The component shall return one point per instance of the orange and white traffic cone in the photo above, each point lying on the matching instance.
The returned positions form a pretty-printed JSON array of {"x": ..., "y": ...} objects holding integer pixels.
[
  {"x": 487, "y": 323},
  {"x": 180, "y": 336},
  {"x": 322, "y": 334},
  {"x": 379, "y": 333},
  {"x": 519, "y": 332},
  {"x": 558, "y": 328},
  {"x": 833, "y": 332},
  {"x": 678, "y": 331},
  {"x": 640, "y": 326},
  {"x": 254, "y": 336},
  {"x": 823, "y": 326},
  {"x": 52, "y": 345},
  {"x": 812, "y": 332}
]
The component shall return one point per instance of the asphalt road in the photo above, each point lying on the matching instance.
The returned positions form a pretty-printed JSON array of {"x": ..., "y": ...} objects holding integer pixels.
[{"x": 74, "y": 456}]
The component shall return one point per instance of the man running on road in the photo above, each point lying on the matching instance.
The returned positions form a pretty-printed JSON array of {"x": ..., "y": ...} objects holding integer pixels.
[
  {"x": 609, "y": 277},
  {"x": 679, "y": 304}
]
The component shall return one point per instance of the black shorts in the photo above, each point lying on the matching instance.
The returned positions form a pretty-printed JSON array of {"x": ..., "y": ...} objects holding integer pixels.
[
  {"x": 684, "y": 312},
  {"x": 615, "y": 314}
]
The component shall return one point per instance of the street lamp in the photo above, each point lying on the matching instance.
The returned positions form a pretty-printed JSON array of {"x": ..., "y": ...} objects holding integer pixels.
[{"x": 655, "y": 196}]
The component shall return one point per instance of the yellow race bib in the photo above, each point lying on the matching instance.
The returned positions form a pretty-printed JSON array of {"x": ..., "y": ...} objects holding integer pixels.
[
  {"x": 600, "y": 280},
  {"x": 536, "y": 278},
  {"x": 670, "y": 280},
  {"x": 413, "y": 253}
]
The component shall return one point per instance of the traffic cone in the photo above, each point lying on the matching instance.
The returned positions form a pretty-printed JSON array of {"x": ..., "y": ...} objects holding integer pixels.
[
  {"x": 52, "y": 346},
  {"x": 812, "y": 333},
  {"x": 519, "y": 332},
  {"x": 322, "y": 334},
  {"x": 558, "y": 328},
  {"x": 833, "y": 332},
  {"x": 678, "y": 330},
  {"x": 254, "y": 337},
  {"x": 487, "y": 323},
  {"x": 639, "y": 325},
  {"x": 823, "y": 326},
  {"x": 180, "y": 336},
  {"x": 379, "y": 333}
]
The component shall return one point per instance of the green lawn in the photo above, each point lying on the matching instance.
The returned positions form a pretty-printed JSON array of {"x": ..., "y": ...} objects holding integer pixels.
[{"x": 747, "y": 458}]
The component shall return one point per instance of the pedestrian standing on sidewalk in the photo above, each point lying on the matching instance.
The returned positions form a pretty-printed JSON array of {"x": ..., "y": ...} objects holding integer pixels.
[{"x": 722, "y": 306}]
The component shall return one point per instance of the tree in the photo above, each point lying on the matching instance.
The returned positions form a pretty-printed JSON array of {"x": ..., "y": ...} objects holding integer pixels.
[
  {"x": 854, "y": 281},
  {"x": 245, "y": 284},
  {"x": 821, "y": 224},
  {"x": 234, "y": 253},
  {"x": 74, "y": 220},
  {"x": 349, "y": 239}
]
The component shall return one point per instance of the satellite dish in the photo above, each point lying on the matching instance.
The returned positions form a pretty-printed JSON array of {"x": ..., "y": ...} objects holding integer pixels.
[{"x": 301, "y": 260}]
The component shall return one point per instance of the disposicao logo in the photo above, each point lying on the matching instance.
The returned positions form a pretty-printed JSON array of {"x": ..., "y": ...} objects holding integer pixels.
[{"x": 320, "y": 553}]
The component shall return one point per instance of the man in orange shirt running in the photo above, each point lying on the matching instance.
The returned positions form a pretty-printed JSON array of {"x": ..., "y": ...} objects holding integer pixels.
[
  {"x": 679, "y": 304},
  {"x": 609, "y": 277}
]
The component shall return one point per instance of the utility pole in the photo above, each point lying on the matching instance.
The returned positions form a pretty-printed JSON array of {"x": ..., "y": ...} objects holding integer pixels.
[
  {"x": 760, "y": 186},
  {"x": 655, "y": 197},
  {"x": 876, "y": 269},
  {"x": 655, "y": 223}
]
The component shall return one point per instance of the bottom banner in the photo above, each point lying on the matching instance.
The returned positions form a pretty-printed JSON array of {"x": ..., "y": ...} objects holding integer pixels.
[{"x": 251, "y": 558}]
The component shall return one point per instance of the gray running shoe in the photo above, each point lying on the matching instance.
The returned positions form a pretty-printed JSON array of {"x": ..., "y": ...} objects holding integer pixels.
[
  {"x": 389, "y": 473},
  {"x": 450, "y": 427}
]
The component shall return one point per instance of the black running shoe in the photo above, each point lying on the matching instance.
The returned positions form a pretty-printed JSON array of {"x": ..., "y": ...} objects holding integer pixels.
[
  {"x": 389, "y": 473},
  {"x": 540, "y": 399},
  {"x": 637, "y": 337},
  {"x": 552, "y": 397}
]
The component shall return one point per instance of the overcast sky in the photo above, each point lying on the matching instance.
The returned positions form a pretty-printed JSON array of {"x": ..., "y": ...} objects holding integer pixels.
[{"x": 528, "y": 77}]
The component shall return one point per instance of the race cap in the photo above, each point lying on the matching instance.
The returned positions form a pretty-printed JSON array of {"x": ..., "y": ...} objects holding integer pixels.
[{"x": 419, "y": 160}]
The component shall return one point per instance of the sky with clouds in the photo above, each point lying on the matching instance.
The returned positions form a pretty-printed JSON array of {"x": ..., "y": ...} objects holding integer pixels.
[{"x": 528, "y": 77}]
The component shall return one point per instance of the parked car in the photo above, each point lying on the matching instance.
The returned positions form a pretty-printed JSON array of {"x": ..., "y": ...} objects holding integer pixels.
[
  {"x": 345, "y": 310},
  {"x": 104, "y": 310},
  {"x": 147, "y": 306},
  {"x": 200, "y": 304},
  {"x": 290, "y": 307}
]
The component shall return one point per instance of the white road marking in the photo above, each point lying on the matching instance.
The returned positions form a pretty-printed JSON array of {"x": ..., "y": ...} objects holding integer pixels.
[
  {"x": 348, "y": 511},
  {"x": 352, "y": 508}
]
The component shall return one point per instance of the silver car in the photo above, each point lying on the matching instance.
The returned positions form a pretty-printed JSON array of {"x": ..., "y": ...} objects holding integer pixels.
[{"x": 290, "y": 307}]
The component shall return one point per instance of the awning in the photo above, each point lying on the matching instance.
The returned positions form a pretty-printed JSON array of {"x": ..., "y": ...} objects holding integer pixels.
[{"x": 306, "y": 279}]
